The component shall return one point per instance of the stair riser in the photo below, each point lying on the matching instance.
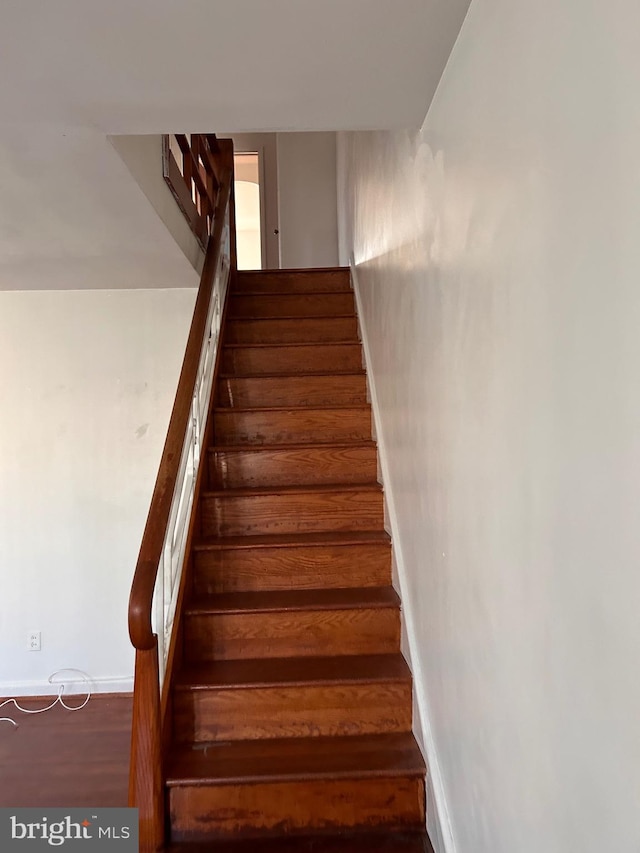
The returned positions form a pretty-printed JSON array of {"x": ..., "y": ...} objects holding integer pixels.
[
  {"x": 292, "y": 711},
  {"x": 291, "y": 513},
  {"x": 298, "y": 633},
  {"x": 264, "y": 569},
  {"x": 298, "y": 330},
  {"x": 228, "y": 811},
  {"x": 311, "y": 466},
  {"x": 291, "y": 426},
  {"x": 292, "y": 391},
  {"x": 292, "y": 282},
  {"x": 302, "y": 305},
  {"x": 270, "y": 360}
]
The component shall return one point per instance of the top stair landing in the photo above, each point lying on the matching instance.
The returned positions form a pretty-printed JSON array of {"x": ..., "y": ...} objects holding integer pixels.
[{"x": 326, "y": 280}]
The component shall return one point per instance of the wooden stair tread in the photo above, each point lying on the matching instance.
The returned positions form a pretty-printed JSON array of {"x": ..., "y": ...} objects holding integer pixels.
[
  {"x": 322, "y": 328},
  {"x": 277, "y": 271},
  {"x": 284, "y": 376},
  {"x": 296, "y": 317},
  {"x": 296, "y": 410},
  {"x": 292, "y": 759},
  {"x": 252, "y": 465},
  {"x": 276, "y": 601},
  {"x": 261, "y": 448},
  {"x": 295, "y": 390},
  {"x": 329, "y": 372},
  {"x": 291, "y": 509},
  {"x": 242, "y": 293},
  {"x": 323, "y": 372},
  {"x": 276, "y": 672},
  {"x": 293, "y": 540},
  {"x": 280, "y": 376},
  {"x": 288, "y": 357},
  {"x": 279, "y": 304},
  {"x": 259, "y": 318},
  {"x": 295, "y": 344},
  {"x": 322, "y": 488},
  {"x": 344, "y": 842},
  {"x": 300, "y": 424}
]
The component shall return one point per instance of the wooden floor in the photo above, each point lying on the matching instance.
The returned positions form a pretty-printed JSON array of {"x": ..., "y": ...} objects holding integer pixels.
[
  {"x": 64, "y": 758},
  {"x": 344, "y": 843},
  {"x": 74, "y": 759}
]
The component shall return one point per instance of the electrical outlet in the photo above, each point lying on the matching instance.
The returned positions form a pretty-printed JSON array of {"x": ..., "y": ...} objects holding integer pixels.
[{"x": 34, "y": 641}]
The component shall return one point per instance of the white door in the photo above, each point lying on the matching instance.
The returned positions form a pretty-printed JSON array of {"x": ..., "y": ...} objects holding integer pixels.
[{"x": 256, "y": 163}]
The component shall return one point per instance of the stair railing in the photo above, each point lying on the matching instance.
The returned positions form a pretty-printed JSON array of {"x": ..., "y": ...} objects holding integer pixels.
[
  {"x": 191, "y": 169},
  {"x": 158, "y": 581}
]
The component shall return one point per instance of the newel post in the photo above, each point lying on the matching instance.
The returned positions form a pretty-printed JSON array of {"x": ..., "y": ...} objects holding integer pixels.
[{"x": 146, "y": 791}]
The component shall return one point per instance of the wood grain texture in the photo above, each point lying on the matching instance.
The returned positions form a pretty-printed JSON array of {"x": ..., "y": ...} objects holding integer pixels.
[
  {"x": 278, "y": 712},
  {"x": 294, "y": 281},
  {"x": 296, "y": 633},
  {"x": 273, "y": 359},
  {"x": 301, "y": 599},
  {"x": 291, "y": 510},
  {"x": 314, "y": 390},
  {"x": 239, "y": 810},
  {"x": 280, "y": 698},
  {"x": 146, "y": 780},
  {"x": 292, "y": 709},
  {"x": 253, "y": 787},
  {"x": 233, "y": 468},
  {"x": 277, "y": 330},
  {"x": 354, "y": 669},
  {"x": 329, "y": 561},
  {"x": 340, "y": 841},
  {"x": 292, "y": 305},
  {"x": 65, "y": 758},
  {"x": 292, "y": 426},
  {"x": 370, "y": 756}
]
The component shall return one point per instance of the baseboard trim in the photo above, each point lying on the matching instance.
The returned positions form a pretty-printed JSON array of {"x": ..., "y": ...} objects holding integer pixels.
[
  {"x": 73, "y": 686},
  {"x": 438, "y": 820}
]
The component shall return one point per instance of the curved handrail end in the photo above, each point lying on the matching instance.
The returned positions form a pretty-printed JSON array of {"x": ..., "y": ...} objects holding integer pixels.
[{"x": 140, "y": 598}]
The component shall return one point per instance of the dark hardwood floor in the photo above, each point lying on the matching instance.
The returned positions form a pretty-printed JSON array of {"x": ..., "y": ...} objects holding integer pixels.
[{"x": 66, "y": 758}]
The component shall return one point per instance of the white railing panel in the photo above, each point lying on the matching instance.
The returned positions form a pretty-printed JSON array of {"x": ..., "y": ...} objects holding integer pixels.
[{"x": 174, "y": 548}]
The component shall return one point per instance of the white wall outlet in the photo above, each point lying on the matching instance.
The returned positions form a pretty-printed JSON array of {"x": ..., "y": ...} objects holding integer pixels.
[{"x": 34, "y": 641}]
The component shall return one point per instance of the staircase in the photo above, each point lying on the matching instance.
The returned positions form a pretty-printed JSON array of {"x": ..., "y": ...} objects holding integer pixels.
[{"x": 291, "y": 704}]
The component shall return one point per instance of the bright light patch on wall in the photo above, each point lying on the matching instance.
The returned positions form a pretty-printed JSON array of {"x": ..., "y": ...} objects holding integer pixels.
[{"x": 247, "y": 191}]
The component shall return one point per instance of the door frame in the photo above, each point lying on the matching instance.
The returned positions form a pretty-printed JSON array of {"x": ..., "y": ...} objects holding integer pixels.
[{"x": 265, "y": 145}]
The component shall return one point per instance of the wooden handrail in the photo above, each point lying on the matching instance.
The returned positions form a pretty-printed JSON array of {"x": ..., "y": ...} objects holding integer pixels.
[
  {"x": 146, "y": 779},
  {"x": 144, "y": 580}
]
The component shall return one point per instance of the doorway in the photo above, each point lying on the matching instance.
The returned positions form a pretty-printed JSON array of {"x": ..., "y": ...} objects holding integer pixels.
[
  {"x": 265, "y": 146},
  {"x": 249, "y": 218}
]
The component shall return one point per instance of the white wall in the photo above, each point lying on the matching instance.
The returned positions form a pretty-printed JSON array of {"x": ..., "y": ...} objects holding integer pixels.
[
  {"x": 298, "y": 196},
  {"x": 142, "y": 155},
  {"x": 87, "y": 381},
  {"x": 307, "y": 201},
  {"x": 498, "y": 263},
  {"x": 73, "y": 218},
  {"x": 157, "y": 66}
]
